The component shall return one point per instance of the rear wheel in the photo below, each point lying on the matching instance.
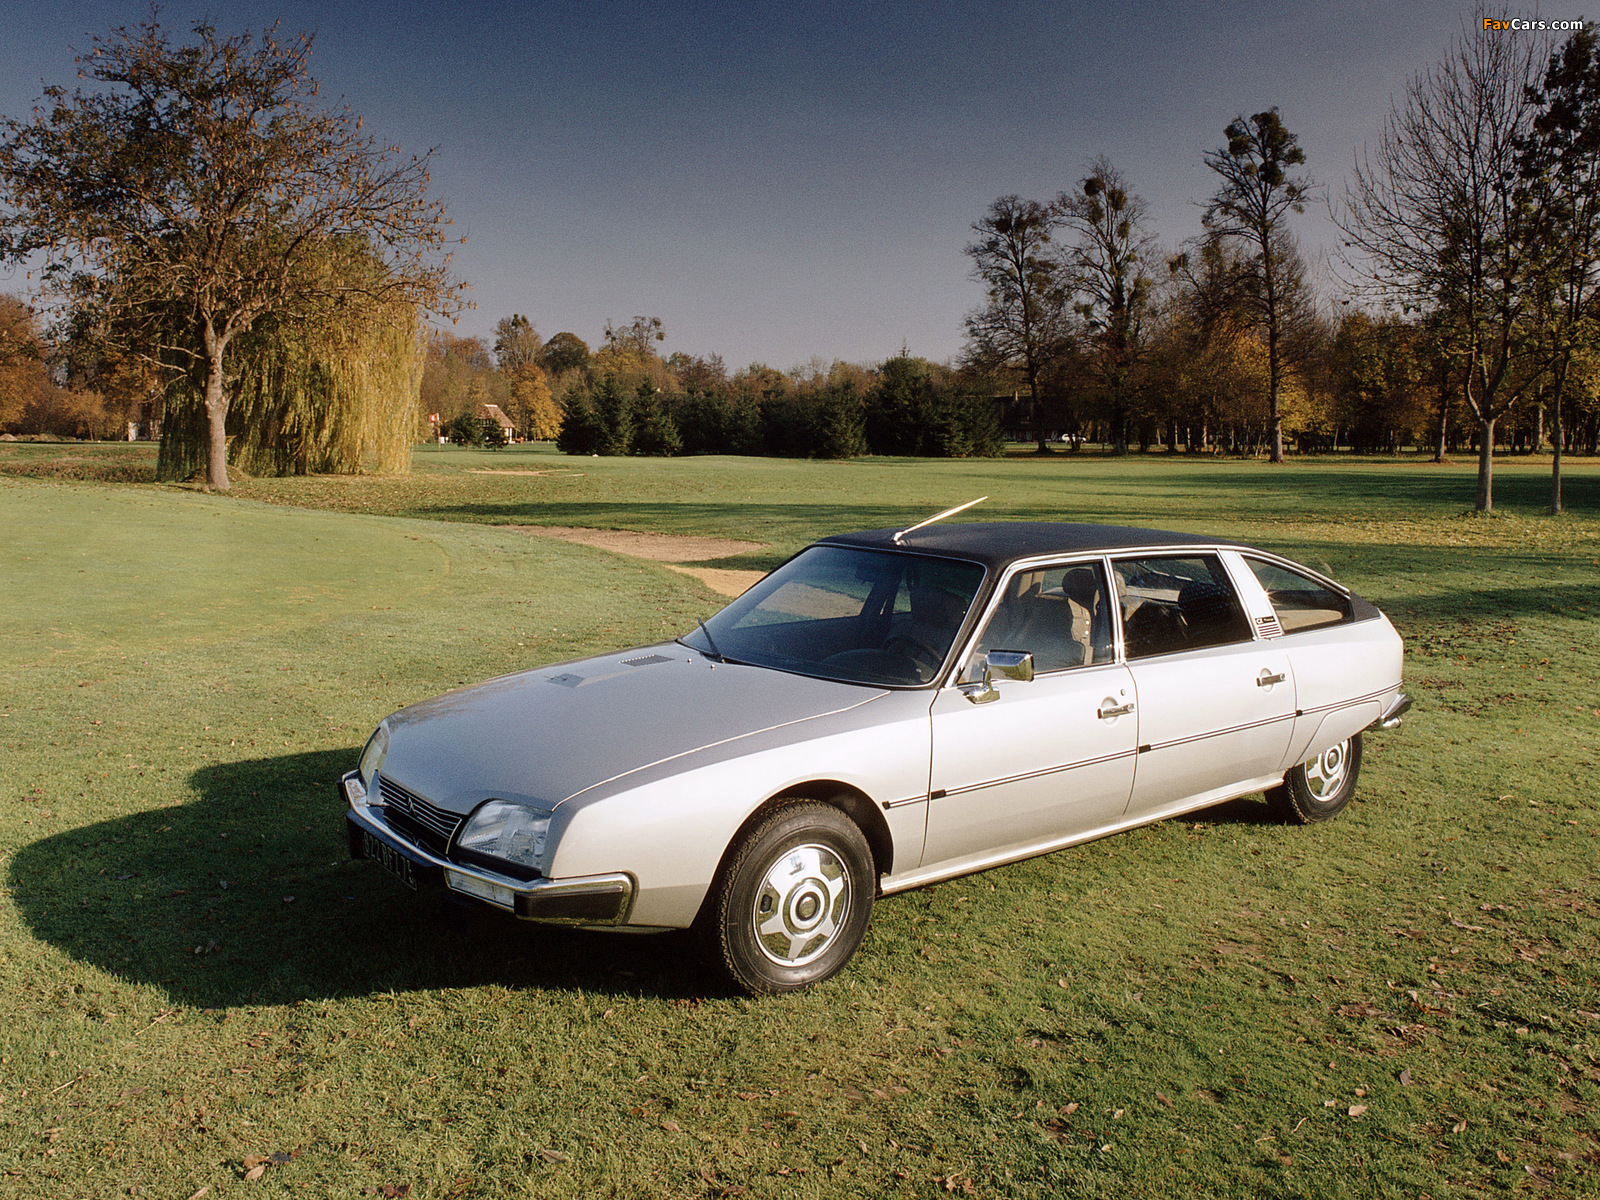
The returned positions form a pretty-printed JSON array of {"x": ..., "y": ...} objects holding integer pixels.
[
  {"x": 1318, "y": 790},
  {"x": 793, "y": 902}
]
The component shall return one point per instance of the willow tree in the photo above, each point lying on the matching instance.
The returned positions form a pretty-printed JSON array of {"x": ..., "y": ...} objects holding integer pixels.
[
  {"x": 193, "y": 194},
  {"x": 335, "y": 392}
]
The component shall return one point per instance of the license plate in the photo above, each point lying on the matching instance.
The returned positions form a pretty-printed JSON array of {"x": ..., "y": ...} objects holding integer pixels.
[{"x": 390, "y": 859}]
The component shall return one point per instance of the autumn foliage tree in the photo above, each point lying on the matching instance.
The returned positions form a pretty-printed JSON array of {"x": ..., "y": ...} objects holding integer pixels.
[{"x": 199, "y": 188}]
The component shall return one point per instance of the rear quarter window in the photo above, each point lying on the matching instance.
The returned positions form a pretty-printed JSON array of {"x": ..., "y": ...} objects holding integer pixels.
[{"x": 1299, "y": 601}]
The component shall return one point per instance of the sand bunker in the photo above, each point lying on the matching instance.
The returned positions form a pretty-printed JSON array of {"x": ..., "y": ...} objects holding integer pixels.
[
  {"x": 670, "y": 549},
  {"x": 499, "y": 471}
]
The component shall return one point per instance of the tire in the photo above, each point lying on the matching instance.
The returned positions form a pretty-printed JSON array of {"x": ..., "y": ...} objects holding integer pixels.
[
  {"x": 793, "y": 900},
  {"x": 1319, "y": 790}
]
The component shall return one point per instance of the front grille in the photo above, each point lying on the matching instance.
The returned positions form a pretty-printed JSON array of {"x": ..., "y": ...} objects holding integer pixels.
[{"x": 409, "y": 813}]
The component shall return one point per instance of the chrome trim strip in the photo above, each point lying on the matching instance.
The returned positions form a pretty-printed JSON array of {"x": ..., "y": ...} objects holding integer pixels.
[
  {"x": 1200, "y": 737},
  {"x": 1043, "y": 771},
  {"x": 888, "y": 804},
  {"x": 578, "y": 886},
  {"x": 971, "y": 866},
  {"x": 1353, "y": 700}
]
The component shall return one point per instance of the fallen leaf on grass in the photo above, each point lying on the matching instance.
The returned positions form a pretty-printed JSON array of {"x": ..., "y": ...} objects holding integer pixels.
[
  {"x": 671, "y": 1126},
  {"x": 1067, "y": 1110},
  {"x": 1164, "y": 1100},
  {"x": 1356, "y": 1110},
  {"x": 1405, "y": 1078},
  {"x": 1459, "y": 1127},
  {"x": 554, "y": 1156},
  {"x": 256, "y": 1172},
  {"x": 202, "y": 1192},
  {"x": 1502, "y": 1156},
  {"x": 1362, "y": 1009}
]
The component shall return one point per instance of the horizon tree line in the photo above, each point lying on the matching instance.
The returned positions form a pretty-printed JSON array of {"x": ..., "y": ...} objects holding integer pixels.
[{"x": 259, "y": 262}]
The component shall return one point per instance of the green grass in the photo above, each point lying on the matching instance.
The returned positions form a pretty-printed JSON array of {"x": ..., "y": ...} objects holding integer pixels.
[{"x": 183, "y": 676}]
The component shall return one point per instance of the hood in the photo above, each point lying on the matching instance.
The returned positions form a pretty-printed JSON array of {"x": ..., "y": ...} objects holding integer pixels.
[{"x": 542, "y": 736}]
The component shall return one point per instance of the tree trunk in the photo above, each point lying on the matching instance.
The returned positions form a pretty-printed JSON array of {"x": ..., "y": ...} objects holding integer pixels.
[
  {"x": 1485, "y": 501},
  {"x": 1038, "y": 412},
  {"x": 1557, "y": 440},
  {"x": 1444, "y": 424},
  {"x": 216, "y": 415}
]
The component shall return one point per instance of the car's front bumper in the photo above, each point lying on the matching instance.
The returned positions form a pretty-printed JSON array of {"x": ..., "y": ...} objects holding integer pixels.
[{"x": 584, "y": 900}]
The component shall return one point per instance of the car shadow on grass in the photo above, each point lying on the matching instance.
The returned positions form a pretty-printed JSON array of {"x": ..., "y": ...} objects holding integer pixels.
[{"x": 249, "y": 896}]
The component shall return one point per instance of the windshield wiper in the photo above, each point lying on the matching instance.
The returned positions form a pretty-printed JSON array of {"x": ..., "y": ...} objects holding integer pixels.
[{"x": 715, "y": 653}]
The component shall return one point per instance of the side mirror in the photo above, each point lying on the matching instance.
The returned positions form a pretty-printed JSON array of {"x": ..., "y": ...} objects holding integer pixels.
[{"x": 1013, "y": 664}]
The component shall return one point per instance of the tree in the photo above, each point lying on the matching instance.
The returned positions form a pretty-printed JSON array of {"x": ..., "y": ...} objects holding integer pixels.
[
  {"x": 201, "y": 188},
  {"x": 638, "y": 336},
  {"x": 1559, "y": 166},
  {"x": 562, "y": 353},
  {"x": 1250, "y": 206},
  {"x": 516, "y": 343},
  {"x": 1434, "y": 219},
  {"x": 1025, "y": 322},
  {"x": 532, "y": 406},
  {"x": 1106, "y": 269}
]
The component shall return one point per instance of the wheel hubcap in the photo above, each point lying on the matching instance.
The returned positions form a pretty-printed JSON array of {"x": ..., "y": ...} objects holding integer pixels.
[
  {"x": 1325, "y": 774},
  {"x": 801, "y": 905}
]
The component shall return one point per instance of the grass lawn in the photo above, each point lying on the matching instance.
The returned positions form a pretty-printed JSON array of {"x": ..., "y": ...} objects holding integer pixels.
[{"x": 205, "y": 993}]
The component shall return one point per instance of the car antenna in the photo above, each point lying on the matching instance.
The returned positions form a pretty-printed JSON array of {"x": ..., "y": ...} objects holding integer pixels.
[{"x": 949, "y": 512}]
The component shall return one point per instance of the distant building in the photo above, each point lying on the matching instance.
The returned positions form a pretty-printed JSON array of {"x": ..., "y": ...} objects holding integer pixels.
[
  {"x": 144, "y": 421},
  {"x": 490, "y": 413}
]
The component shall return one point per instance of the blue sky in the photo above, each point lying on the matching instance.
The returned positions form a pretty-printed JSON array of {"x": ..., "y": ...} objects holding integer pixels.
[{"x": 779, "y": 182}]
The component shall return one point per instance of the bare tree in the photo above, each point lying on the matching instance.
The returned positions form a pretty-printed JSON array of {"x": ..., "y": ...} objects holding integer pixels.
[
  {"x": 1024, "y": 323},
  {"x": 1559, "y": 164},
  {"x": 1106, "y": 267},
  {"x": 1256, "y": 194},
  {"x": 1434, "y": 218},
  {"x": 201, "y": 188}
]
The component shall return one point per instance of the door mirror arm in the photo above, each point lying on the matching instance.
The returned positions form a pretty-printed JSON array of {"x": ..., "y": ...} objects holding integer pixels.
[{"x": 1012, "y": 664}]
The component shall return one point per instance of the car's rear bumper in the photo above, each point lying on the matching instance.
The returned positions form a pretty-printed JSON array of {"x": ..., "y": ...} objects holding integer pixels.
[
  {"x": 1391, "y": 715},
  {"x": 585, "y": 900}
]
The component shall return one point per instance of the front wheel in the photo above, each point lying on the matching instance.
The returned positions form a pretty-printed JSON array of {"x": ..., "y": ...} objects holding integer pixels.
[
  {"x": 1318, "y": 790},
  {"x": 793, "y": 902}
]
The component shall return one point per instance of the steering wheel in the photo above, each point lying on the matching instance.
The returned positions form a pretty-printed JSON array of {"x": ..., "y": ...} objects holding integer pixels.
[{"x": 917, "y": 651}]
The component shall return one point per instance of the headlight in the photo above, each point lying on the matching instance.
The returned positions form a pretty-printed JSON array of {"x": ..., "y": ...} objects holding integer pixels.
[
  {"x": 372, "y": 757},
  {"x": 512, "y": 832}
]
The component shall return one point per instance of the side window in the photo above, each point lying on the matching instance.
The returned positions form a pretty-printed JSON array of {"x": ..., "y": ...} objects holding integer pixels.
[
  {"x": 1060, "y": 615},
  {"x": 1300, "y": 601},
  {"x": 1179, "y": 603}
]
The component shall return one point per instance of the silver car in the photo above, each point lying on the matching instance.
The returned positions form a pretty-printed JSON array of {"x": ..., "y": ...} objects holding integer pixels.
[{"x": 885, "y": 710}]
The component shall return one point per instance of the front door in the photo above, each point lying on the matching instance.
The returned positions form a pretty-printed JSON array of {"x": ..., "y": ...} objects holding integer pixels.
[{"x": 1045, "y": 759}]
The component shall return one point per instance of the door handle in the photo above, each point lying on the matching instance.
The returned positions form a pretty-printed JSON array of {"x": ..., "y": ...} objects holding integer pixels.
[
  {"x": 1267, "y": 678},
  {"x": 1114, "y": 709}
]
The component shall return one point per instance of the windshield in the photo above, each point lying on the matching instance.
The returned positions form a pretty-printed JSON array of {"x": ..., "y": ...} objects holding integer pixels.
[{"x": 860, "y": 616}]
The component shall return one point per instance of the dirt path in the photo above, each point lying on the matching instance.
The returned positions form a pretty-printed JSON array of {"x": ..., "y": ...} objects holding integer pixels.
[{"x": 670, "y": 549}]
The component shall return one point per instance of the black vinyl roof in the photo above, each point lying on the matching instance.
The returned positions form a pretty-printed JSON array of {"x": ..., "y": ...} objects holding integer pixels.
[{"x": 996, "y": 544}]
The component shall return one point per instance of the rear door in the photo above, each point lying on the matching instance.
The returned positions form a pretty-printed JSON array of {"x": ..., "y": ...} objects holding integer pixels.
[{"x": 1216, "y": 706}]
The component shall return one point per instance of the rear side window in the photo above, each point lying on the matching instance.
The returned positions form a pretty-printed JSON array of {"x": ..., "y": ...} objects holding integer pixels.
[
  {"x": 1178, "y": 603},
  {"x": 1300, "y": 601}
]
